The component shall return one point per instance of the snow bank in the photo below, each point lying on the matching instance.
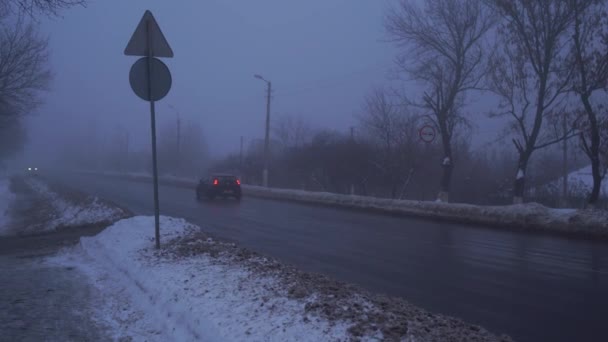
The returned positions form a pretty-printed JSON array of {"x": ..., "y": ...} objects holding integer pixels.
[
  {"x": 73, "y": 212},
  {"x": 580, "y": 183},
  {"x": 196, "y": 298},
  {"x": 529, "y": 216},
  {"x": 197, "y": 288},
  {"x": 6, "y": 197}
]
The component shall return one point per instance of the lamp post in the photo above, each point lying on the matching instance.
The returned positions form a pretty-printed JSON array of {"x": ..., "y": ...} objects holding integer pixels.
[{"x": 267, "y": 137}]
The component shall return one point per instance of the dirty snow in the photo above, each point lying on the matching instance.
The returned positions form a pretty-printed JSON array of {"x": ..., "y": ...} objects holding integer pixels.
[
  {"x": 522, "y": 216},
  {"x": 582, "y": 181},
  {"x": 69, "y": 213},
  {"x": 190, "y": 299},
  {"x": 6, "y": 197},
  {"x": 198, "y": 288},
  {"x": 529, "y": 216}
]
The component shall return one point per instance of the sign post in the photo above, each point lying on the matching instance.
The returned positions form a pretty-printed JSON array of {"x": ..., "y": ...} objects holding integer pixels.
[{"x": 150, "y": 79}]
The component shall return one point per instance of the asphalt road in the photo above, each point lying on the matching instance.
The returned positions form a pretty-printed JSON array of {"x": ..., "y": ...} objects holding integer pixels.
[{"x": 532, "y": 287}]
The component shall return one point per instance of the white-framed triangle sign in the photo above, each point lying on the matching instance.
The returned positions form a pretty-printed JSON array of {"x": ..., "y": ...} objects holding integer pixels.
[{"x": 148, "y": 39}]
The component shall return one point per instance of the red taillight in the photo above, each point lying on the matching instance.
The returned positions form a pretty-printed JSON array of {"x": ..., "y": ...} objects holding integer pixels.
[
  {"x": 216, "y": 182},
  {"x": 238, "y": 182}
]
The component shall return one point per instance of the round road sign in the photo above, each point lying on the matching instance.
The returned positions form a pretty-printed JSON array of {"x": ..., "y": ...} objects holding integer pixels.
[
  {"x": 427, "y": 134},
  {"x": 160, "y": 80}
]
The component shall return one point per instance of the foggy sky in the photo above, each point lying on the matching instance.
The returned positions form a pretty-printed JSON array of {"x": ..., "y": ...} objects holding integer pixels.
[{"x": 322, "y": 57}]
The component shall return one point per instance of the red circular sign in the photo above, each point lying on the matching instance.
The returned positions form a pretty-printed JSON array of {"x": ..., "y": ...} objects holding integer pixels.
[{"x": 427, "y": 134}]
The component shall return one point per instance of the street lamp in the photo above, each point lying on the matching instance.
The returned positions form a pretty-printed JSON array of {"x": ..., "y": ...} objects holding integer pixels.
[{"x": 267, "y": 138}]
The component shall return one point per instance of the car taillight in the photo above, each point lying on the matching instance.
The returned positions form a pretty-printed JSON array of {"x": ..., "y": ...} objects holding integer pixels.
[
  {"x": 238, "y": 182},
  {"x": 216, "y": 182}
]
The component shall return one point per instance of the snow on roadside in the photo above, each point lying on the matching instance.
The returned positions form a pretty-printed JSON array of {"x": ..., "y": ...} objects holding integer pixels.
[
  {"x": 119, "y": 311},
  {"x": 6, "y": 197},
  {"x": 531, "y": 216},
  {"x": 528, "y": 216},
  {"x": 198, "y": 288},
  {"x": 580, "y": 183},
  {"x": 195, "y": 298},
  {"x": 72, "y": 213}
]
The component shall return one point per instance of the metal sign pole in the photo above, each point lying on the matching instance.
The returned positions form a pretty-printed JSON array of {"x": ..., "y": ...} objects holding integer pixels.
[
  {"x": 149, "y": 42},
  {"x": 153, "y": 129},
  {"x": 155, "y": 176}
]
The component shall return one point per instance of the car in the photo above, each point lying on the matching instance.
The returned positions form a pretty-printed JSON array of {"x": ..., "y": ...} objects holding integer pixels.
[
  {"x": 219, "y": 185},
  {"x": 32, "y": 171}
]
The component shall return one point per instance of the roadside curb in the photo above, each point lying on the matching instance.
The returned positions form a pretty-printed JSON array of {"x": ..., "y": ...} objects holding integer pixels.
[{"x": 529, "y": 217}]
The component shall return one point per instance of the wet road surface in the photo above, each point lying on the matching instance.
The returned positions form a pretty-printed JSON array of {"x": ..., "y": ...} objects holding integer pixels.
[{"x": 532, "y": 287}]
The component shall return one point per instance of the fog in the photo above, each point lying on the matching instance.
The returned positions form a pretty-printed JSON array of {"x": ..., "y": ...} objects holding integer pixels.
[
  {"x": 354, "y": 79},
  {"x": 321, "y": 56}
]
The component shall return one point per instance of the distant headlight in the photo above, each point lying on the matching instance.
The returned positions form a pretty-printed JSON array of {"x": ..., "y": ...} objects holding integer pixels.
[
  {"x": 29, "y": 169},
  {"x": 35, "y": 169}
]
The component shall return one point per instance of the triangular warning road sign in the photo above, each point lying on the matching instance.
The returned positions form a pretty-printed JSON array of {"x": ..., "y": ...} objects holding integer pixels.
[{"x": 138, "y": 44}]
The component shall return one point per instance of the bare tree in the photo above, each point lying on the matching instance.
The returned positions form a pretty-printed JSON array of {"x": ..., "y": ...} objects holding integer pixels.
[
  {"x": 47, "y": 7},
  {"x": 12, "y": 137},
  {"x": 444, "y": 41},
  {"x": 23, "y": 73},
  {"x": 380, "y": 120},
  {"x": 589, "y": 59},
  {"x": 603, "y": 128},
  {"x": 530, "y": 75},
  {"x": 292, "y": 131},
  {"x": 23, "y": 67},
  {"x": 392, "y": 130}
]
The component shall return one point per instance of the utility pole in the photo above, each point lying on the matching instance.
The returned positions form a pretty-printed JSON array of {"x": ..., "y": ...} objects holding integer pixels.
[
  {"x": 267, "y": 137},
  {"x": 127, "y": 149},
  {"x": 179, "y": 141},
  {"x": 565, "y": 161},
  {"x": 352, "y": 133}
]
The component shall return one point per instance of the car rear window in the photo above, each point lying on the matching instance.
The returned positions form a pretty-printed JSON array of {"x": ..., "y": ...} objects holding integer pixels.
[{"x": 225, "y": 178}]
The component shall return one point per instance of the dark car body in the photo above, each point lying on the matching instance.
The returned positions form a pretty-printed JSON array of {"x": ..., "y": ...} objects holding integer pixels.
[{"x": 219, "y": 185}]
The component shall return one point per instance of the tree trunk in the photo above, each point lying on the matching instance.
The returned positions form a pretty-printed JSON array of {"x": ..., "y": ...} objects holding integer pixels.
[
  {"x": 593, "y": 151},
  {"x": 520, "y": 179},
  {"x": 447, "y": 164},
  {"x": 446, "y": 179},
  {"x": 597, "y": 182}
]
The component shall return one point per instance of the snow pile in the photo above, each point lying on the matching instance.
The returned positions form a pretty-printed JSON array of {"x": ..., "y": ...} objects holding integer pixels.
[
  {"x": 73, "y": 211},
  {"x": 529, "y": 216},
  {"x": 580, "y": 184},
  {"x": 521, "y": 216},
  {"x": 197, "y": 288},
  {"x": 6, "y": 197},
  {"x": 196, "y": 298}
]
